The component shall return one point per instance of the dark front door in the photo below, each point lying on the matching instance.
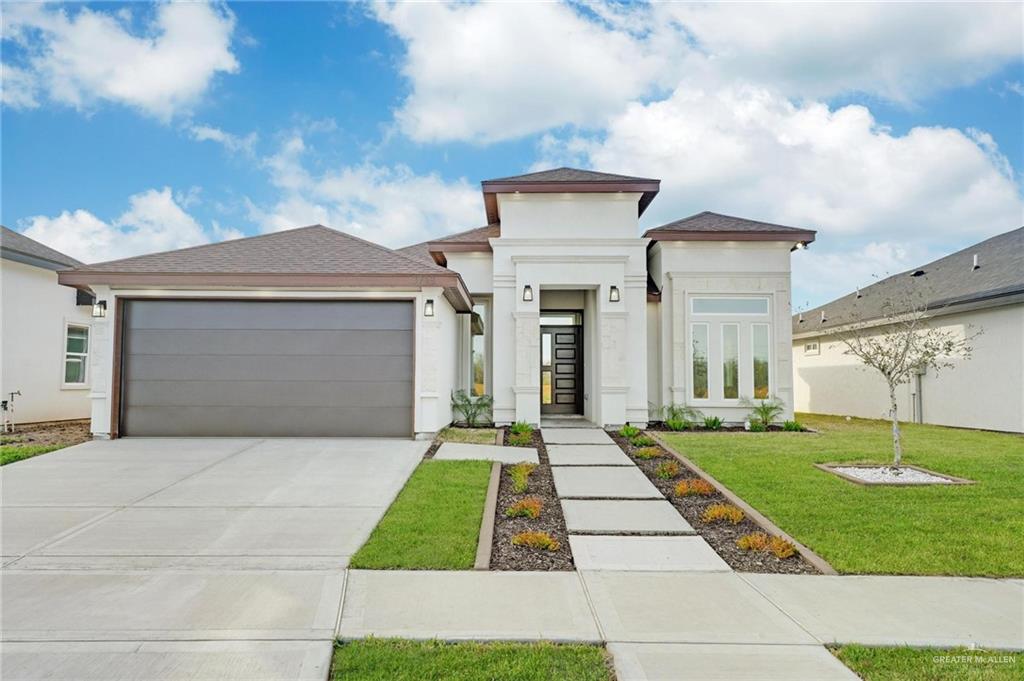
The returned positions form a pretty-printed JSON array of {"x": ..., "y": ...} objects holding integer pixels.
[{"x": 561, "y": 370}]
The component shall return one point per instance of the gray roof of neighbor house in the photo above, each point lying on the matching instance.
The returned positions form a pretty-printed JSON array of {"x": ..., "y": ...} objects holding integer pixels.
[
  {"x": 16, "y": 246},
  {"x": 708, "y": 226},
  {"x": 306, "y": 256},
  {"x": 949, "y": 281},
  {"x": 475, "y": 239}
]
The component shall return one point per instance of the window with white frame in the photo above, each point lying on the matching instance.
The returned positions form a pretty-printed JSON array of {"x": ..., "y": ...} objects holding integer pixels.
[
  {"x": 76, "y": 354},
  {"x": 730, "y": 348},
  {"x": 812, "y": 348},
  {"x": 478, "y": 351}
]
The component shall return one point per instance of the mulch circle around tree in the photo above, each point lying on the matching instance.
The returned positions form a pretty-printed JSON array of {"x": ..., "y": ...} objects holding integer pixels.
[
  {"x": 721, "y": 536},
  {"x": 505, "y": 556}
]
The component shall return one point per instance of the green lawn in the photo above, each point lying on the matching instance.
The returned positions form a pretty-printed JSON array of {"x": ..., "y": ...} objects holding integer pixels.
[
  {"x": 12, "y": 453},
  {"x": 931, "y": 664},
  {"x": 435, "y": 521},
  {"x": 398, "y": 660},
  {"x": 933, "y": 530},
  {"x": 473, "y": 436}
]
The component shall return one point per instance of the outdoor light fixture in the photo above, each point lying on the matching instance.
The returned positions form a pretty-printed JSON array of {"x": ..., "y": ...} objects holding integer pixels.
[
  {"x": 99, "y": 309},
  {"x": 801, "y": 245},
  {"x": 428, "y": 308},
  {"x": 527, "y": 293},
  {"x": 613, "y": 294}
]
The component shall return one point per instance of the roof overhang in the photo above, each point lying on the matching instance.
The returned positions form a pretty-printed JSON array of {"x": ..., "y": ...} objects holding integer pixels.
[
  {"x": 647, "y": 189},
  {"x": 800, "y": 236},
  {"x": 33, "y": 260},
  {"x": 455, "y": 290},
  {"x": 437, "y": 249}
]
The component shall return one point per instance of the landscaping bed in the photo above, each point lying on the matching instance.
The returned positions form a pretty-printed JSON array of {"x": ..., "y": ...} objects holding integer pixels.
[
  {"x": 721, "y": 536},
  {"x": 402, "y": 660},
  {"x": 505, "y": 555},
  {"x": 39, "y": 438}
]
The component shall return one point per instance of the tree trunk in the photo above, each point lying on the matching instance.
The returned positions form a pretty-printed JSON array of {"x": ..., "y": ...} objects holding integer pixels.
[{"x": 897, "y": 449}]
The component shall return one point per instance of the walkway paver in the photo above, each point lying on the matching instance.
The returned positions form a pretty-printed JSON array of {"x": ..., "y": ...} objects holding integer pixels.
[
  {"x": 702, "y": 662},
  {"x": 575, "y": 436},
  {"x": 459, "y": 451},
  {"x": 645, "y": 554},
  {"x": 610, "y": 482},
  {"x": 687, "y": 607},
  {"x": 424, "y": 604},
  {"x": 587, "y": 455},
  {"x": 917, "y": 611},
  {"x": 610, "y": 516}
]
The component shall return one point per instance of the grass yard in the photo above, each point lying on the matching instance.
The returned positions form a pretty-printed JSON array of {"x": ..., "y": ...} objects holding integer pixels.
[
  {"x": 929, "y": 530},
  {"x": 473, "y": 436},
  {"x": 434, "y": 523},
  {"x": 931, "y": 664},
  {"x": 12, "y": 453},
  {"x": 399, "y": 660}
]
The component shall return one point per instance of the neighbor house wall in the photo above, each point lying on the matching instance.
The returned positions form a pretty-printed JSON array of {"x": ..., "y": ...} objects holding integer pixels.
[
  {"x": 35, "y": 311},
  {"x": 985, "y": 391}
]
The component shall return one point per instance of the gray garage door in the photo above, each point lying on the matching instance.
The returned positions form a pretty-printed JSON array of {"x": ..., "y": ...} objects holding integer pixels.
[{"x": 268, "y": 368}]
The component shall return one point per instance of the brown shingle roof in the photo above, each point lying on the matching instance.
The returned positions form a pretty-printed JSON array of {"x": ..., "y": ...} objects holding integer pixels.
[
  {"x": 477, "y": 235},
  {"x": 715, "y": 226},
  {"x": 15, "y": 243},
  {"x": 565, "y": 174}
]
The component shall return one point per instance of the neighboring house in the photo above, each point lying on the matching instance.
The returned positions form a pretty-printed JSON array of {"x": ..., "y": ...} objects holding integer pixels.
[
  {"x": 555, "y": 307},
  {"x": 981, "y": 287},
  {"x": 46, "y": 333}
]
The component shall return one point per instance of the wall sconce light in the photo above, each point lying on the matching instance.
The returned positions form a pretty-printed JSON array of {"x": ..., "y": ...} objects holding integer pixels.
[
  {"x": 527, "y": 293},
  {"x": 99, "y": 309},
  {"x": 428, "y": 308},
  {"x": 613, "y": 294}
]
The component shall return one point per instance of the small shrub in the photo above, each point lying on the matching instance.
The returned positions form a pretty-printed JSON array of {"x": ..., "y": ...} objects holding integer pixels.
[
  {"x": 642, "y": 441},
  {"x": 756, "y": 541},
  {"x": 719, "y": 512},
  {"x": 680, "y": 417},
  {"x": 694, "y": 487},
  {"x": 764, "y": 411},
  {"x": 536, "y": 540},
  {"x": 629, "y": 432},
  {"x": 793, "y": 426},
  {"x": 520, "y": 439},
  {"x": 666, "y": 470},
  {"x": 471, "y": 408},
  {"x": 525, "y": 508},
  {"x": 757, "y": 427},
  {"x": 520, "y": 428},
  {"x": 520, "y": 474},
  {"x": 647, "y": 453},
  {"x": 712, "y": 423},
  {"x": 781, "y": 548},
  {"x": 677, "y": 424}
]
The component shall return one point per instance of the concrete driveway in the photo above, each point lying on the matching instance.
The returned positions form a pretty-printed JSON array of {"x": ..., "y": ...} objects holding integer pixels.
[{"x": 186, "y": 558}]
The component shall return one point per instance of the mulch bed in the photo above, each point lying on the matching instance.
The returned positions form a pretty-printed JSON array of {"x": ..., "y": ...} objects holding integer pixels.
[
  {"x": 505, "y": 556},
  {"x": 65, "y": 433},
  {"x": 697, "y": 428},
  {"x": 721, "y": 536}
]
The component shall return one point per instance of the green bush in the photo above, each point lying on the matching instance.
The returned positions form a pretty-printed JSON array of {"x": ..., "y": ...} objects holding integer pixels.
[
  {"x": 520, "y": 439},
  {"x": 680, "y": 416},
  {"x": 647, "y": 453},
  {"x": 793, "y": 426},
  {"x": 629, "y": 432},
  {"x": 677, "y": 424},
  {"x": 666, "y": 470},
  {"x": 712, "y": 423},
  {"x": 521, "y": 428},
  {"x": 520, "y": 474},
  {"x": 764, "y": 411},
  {"x": 471, "y": 408},
  {"x": 642, "y": 441},
  {"x": 757, "y": 427}
]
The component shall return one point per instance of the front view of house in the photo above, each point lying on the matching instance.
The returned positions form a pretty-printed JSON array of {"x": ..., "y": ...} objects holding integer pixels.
[{"x": 555, "y": 307}]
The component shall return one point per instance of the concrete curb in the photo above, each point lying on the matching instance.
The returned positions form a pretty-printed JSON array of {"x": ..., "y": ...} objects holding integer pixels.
[
  {"x": 767, "y": 525},
  {"x": 483, "y": 547}
]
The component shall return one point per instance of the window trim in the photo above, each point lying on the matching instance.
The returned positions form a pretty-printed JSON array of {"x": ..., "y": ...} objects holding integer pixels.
[
  {"x": 765, "y": 298},
  {"x": 812, "y": 352},
  {"x": 64, "y": 354},
  {"x": 739, "y": 361},
  {"x": 753, "y": 358}
]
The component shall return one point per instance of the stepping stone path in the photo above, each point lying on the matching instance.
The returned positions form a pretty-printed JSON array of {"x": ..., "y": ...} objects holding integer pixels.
[
  {"x": 617, "y": 519},
  {"x": 460, "y": 451}
]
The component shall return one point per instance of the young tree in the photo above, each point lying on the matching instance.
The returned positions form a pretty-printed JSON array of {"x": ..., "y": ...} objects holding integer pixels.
[{"x": 901, "y": 341}]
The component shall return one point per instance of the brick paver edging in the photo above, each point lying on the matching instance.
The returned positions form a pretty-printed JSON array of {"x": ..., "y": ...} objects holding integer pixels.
[
  {"x": 767, "y": 525},
  {"x": 483, "y": 547}
]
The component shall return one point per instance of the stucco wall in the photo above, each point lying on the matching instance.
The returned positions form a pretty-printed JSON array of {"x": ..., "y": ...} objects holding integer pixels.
[
  {"x": 35, "y": 311},
  {"x": 986, "y": 391},
  {"x": 569, "y": 216},
  {"x": 476, "y": 270}
]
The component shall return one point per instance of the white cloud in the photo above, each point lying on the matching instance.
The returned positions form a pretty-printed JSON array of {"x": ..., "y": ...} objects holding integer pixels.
[
  {"x": 82, "y": 57},
  {"x": 234, "y": 143},
  {"x": 153, "y": 222},
  {"x": 390, "y": 205}
]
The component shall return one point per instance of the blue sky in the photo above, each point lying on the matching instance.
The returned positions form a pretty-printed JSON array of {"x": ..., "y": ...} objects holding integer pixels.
[{"x": 895, "y": 131}]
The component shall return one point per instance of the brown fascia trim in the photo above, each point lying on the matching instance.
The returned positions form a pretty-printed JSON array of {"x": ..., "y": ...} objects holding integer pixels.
[
  {"x": 681, "y": 235},
  {"x": 437, "y": 249},
  {"x": 648, "y": 191},
  {"x": 452, "y": 281}
]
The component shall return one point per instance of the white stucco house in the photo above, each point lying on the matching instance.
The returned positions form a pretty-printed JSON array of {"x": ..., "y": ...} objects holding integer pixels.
[
  {"x": 980, "y": 288},
  {"x": 556, "y": 307},
  {"x": 46, "y": 333}
]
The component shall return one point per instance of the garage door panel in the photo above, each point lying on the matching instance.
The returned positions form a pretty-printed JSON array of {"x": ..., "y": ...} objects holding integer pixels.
[
  {"x": 287, "y": 315},
  {"x": 279, "y": 422},
  {"x": 262, "y": 368},
  {"x": 270, "y": 368},
  {"x": 336, "y": 394},
  {"x": 267, "y": 342}
]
